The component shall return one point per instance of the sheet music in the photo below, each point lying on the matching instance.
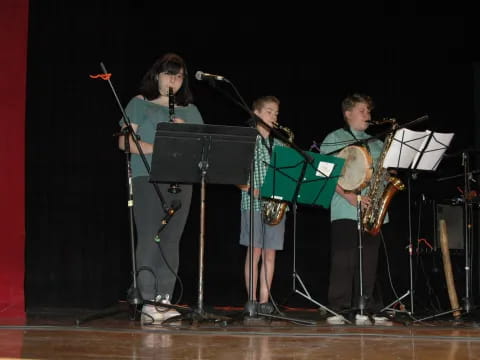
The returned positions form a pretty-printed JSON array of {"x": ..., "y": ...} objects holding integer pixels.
[
  {"x": 324, "y": 169},
  {"x": 408, "y": 146},
  {"x": 421, "y": 147},
  {"x": 434, "y": 151},
  {"x": 405, "y": 146}
]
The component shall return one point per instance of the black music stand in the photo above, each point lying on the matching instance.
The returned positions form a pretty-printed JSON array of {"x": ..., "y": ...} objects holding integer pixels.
[
  {"x": 292, "y": 178},
  {"x": 415, "y": 151},
  {"x": 194, "y": 153}
]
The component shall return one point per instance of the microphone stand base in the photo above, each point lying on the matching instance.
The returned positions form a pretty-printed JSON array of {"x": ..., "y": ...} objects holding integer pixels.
[{"x": 250, "y": 309}]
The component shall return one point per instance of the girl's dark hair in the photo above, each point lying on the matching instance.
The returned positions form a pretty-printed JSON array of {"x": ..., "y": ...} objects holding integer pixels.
[{"x": 170, "y": 63}]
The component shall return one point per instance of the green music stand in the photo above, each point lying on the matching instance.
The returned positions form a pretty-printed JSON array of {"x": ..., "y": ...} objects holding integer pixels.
[{"x": 294, "y": 179}]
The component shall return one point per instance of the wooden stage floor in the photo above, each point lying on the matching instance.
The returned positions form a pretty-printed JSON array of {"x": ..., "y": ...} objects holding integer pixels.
[{"x": 58, "y": 334}]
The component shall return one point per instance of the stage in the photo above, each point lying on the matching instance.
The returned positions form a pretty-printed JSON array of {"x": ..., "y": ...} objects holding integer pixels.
[
  {"x": 66, "y": 241},
  {"x": 58, "y": 333}
]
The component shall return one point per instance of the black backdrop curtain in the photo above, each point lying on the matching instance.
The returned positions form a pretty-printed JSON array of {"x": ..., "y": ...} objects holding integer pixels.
[{"x": 77, "y": 250}]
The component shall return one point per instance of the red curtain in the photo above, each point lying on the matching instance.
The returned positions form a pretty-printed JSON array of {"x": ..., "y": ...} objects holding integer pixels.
[{"x": 13, "y": 55}]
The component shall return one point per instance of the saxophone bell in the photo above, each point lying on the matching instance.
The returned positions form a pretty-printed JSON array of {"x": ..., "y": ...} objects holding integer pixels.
[
  {"x": 380, "y": 191},
  {"x": 273, "y": 210}
]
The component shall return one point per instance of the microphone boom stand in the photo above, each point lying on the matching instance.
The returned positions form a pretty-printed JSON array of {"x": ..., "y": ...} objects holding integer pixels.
[
  {"x": 251, "y": 308},
  {"x": 134, "y": 297}
]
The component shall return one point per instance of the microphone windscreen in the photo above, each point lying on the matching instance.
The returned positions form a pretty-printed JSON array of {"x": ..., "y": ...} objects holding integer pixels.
[{"x": 199, "y": 75}]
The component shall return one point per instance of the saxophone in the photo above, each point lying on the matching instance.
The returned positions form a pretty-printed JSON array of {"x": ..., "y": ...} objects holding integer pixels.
[
  {"x": 382, "y": 188},
  {"x": 273, "y": 210}
]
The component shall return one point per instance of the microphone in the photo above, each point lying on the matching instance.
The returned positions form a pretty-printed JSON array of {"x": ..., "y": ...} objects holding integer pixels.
[
  {"x": 176, "y": 204},
  {"x": 200, "y": 75}
]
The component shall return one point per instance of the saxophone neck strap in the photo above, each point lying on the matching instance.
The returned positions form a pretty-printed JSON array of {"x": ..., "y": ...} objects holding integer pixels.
[
  {"x": 361, "y": 142},
  {"x": 268, "y": 143}
]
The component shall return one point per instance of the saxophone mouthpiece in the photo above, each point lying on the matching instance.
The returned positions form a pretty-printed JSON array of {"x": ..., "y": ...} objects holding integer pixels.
[{"x": 281, "y": 128}]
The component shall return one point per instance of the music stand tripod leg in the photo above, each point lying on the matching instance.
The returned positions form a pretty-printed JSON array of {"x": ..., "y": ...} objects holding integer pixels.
[
  {"x": 307, "y": 296},
  {"x": 396, "y": 301},
  {"x": 296, "y": 277},
  {"x": 410, "y": 258}
]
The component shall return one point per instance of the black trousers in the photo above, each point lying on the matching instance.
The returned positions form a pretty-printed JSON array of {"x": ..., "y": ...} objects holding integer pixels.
[{"x": 344, "y": 285}]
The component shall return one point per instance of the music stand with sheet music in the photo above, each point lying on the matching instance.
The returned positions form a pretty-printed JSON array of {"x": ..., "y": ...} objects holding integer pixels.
[
  {"x": 414, "y": 150},
  {"x": 198, "y": 153},
  {"x": 292, "y": 178}
]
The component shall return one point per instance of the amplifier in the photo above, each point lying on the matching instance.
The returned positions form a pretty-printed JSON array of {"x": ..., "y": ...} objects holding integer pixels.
[{"x": 453, "y": 216}]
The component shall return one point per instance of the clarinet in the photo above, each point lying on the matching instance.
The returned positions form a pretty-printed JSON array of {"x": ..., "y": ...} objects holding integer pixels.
[{"x": 174, "y": 188}]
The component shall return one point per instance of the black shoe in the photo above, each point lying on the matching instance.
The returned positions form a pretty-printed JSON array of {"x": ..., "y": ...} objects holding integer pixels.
[{"x": 265, "y": 308}]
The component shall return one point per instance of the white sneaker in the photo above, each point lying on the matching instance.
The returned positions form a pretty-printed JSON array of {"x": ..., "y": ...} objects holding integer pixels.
[
  {"x": 382, "y": 320},
  {"x": 336, "y": 320},
  {"x": 362, "y": 320},
  {"x": 157, "y": 314}
]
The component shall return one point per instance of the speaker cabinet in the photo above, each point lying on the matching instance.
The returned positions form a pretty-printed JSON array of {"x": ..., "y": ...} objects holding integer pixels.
[{"x": 453, "y": 216}]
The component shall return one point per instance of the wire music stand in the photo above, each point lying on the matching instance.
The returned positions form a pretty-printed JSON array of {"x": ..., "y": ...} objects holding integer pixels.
[
  {"x": 292, "y": 178},
  {"x": 193, "y": 153},
  {"x": 415, "y": 151}
]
